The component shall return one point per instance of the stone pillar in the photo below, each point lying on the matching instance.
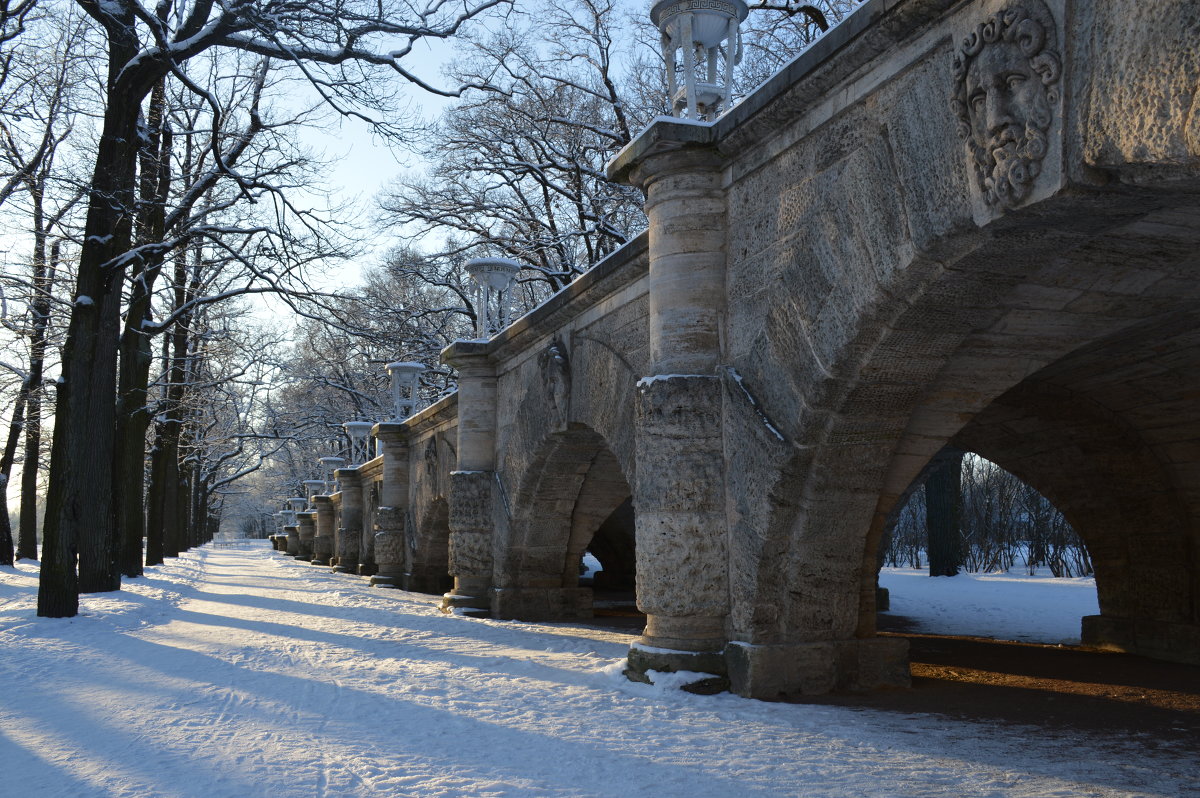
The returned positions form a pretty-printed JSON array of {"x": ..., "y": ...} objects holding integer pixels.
[
  {"x": 366, "y": 532},
  {"x": 473, "y": 481},
  {"x": 323, "y": 533},
  {"x": 293, "y": 540},
  {"x": 349, "y": 535},
  {"x": 393, "y": 505},
  {"x": 307, "y": 521},
  {"x": 679, "y": 488}
]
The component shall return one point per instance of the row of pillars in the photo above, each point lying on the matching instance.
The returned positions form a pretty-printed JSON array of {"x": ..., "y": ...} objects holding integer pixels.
[{"x": 334, "y": 530}]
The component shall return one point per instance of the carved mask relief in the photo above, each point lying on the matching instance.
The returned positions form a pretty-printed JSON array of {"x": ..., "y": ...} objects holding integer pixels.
[{"x": 1006, "y": 75}]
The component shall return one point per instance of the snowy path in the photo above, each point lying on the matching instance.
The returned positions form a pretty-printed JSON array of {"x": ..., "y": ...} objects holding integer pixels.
[{"x": 237, "y": 672}]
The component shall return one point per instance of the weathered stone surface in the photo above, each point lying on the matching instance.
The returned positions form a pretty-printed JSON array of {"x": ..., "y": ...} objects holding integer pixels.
[
  {"x": 293, "y": 540},
  {"x": 471, "y": 509},
  {"x": 389, "y": 545},
  {"x": 679, "y": 496},
  {"x": 1142, "y": 68},
  {"x": 642, "y": 659}
]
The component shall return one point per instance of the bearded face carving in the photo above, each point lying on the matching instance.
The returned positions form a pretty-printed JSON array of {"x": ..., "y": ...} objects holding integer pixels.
[{"x": 1006, "y": 77}]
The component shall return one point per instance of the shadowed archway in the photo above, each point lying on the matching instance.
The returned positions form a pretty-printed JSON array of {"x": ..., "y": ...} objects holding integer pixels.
[{"x": 572, "y": 490}]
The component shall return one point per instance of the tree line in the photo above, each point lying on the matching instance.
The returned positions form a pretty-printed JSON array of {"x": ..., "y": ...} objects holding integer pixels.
[{"x": 972, "y": 515}]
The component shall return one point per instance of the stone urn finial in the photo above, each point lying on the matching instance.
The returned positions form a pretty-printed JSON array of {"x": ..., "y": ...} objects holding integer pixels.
[
  {"x": 313, "y": 487},
  {"x": 359, "y": 433},
  {"x": 406, "y": 383},
  {"x": 494, "y": 279},
  {"x": 701, "y": 43}
]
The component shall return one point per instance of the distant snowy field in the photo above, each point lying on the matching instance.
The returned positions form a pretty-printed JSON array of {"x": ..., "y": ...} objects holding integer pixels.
[
  {"x": 237, "y": 673},
  {"x": 1011, "y": 606}
]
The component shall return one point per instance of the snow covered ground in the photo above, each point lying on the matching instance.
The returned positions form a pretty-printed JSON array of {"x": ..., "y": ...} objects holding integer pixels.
[
  {"x": 236, "y": 672},
  {"x": 1012, "y": 606}
]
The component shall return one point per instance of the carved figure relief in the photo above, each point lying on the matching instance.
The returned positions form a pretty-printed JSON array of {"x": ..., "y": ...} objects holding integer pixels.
[
  {"x": 431, "y": 460},
  {"x": 1006, "y": 75},
  {"x": 556, "y": 376}
]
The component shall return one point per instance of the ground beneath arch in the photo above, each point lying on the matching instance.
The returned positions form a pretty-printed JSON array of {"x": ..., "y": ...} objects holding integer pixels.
[{"x": 239, "y": 672}]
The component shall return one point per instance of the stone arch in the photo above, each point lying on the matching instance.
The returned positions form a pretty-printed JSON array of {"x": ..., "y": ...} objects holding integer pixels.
[
  {"x": 1079, "y": 331},
  {"x": 572, "y": 487},
  {"x": 1109, "y": 436}
]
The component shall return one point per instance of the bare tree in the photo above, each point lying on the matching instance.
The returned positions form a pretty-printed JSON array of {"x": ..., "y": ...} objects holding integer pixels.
[
  {"x": 342, "y": 49},
  {"x": 518, "y": 168},
  {"x": 44, "y": 84},
  {"x": 1002, "y": 520}
]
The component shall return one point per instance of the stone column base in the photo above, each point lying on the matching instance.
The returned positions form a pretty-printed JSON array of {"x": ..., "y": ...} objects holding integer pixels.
[
  {"x": 469, "y": 592},
  {"x": 644, "y": 658},
  {"x": 541, "y": 603},
  {"x": 367, "y": 569},
  {"x": 793, "y": 669},
  {"x": 385, "y": 580},
  {"x": 432, "y": 582},
  {"x": 319, "y": 560},
  {"x": 679, "y": 643},
  {"x": 1174, "y": 642},
  {"x": 345, "y": 569}
]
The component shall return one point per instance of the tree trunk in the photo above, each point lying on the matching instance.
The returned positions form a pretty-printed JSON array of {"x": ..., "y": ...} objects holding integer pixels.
[
  {"x": 173, "y": 506},
  {"x": 6, "y": 464},
  {"x": 943, "y": 502},
  {"x": 27, "y": 537},
  {"x": 155, "y": 499},
  {"x": 58, "y": 585},
  {"x": 79, "y": 507},
  {"x": 132, "y": 413},
  {"x": 44, "y": 269},
  {"x": 156, "y": 494}
]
